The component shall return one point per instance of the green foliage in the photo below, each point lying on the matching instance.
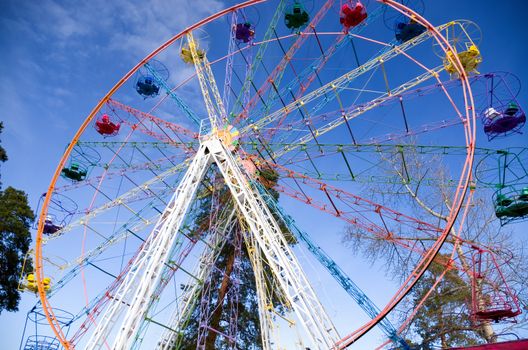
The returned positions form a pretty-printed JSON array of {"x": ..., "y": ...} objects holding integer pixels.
[
  {"x": 248, "y": 324},
  {"x": 248, "y": 332},
  {"x": 268, "y": 177},
  {"x": 15, "y": 219},
  {"x": 444, "y": 321},
  {"x": 3, "y": 154}
]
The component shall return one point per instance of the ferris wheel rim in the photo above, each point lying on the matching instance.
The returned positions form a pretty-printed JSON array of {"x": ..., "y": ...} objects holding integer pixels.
[
  {"x": 100, "y": 105},
  {"x": 48, "y": 310},
  {"x": 463, "y": 183}
]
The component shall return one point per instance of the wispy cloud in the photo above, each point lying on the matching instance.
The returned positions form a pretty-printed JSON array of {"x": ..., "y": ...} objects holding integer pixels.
[
  {"x": 63, "y": 56},
  {"x": 58, "y": 45},
  {"x": 133, "y": 27}
]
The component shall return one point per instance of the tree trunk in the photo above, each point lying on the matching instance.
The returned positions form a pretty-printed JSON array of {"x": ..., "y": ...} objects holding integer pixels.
[{"x": 217, "y": 314}]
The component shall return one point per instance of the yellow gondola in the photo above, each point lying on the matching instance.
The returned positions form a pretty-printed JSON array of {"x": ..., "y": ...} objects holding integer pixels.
[
  {"x": 187, "y": 57},
  {"x": 31, "y": 283},
  {"x": 470, "y": 60}
]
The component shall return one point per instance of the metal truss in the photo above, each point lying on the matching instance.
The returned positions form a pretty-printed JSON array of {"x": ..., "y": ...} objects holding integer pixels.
[
  {"x": 181, "y": 105},
  {"x": 229, "y": 62},
  {"x": 339, "y": 275},
  {"x": 216, "y": 112},
  {"x": 215, "y": 241},
  {"x": 266, "y": 321},
  {"x": 252, "y": 67},
  {"x": 139, "y": 285},
  {"x": 234, "y": 290},
  {"x": 193, "y": 288},
  {"x": 277, "y": 252},
  {"x": 342, "y": 81}
]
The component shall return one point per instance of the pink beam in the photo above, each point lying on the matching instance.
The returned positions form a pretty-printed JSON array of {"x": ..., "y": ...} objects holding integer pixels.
[
  {"x": 308, "y": 82},
  {"x": 39, "y": 269},
  {"x": 285, "y": 60},
  {"x": 142, "y": 116}
]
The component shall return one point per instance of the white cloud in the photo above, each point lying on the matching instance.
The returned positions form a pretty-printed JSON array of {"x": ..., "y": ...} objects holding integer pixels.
[
  {"x": 133, "y": 27},
  {"x": 62, "y": 21},
  {"x": 129, "y": 29},
  {"x": 58, "y": 50}
]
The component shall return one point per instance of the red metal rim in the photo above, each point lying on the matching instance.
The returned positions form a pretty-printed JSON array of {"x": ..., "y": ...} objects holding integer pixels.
[
  {"x": 46, "y": 306},
  {"x": 458, "y": 199}
]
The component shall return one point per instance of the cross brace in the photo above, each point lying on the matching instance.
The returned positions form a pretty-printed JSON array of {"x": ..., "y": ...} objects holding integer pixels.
[{"x": 139, "y": 285}]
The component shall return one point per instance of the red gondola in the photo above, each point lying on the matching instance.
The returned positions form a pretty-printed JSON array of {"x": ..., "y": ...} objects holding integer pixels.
[
  {"x": 352, "y": 14},
  {"x": 106, "y": 127},
  {"x": 493, "y": 300}
]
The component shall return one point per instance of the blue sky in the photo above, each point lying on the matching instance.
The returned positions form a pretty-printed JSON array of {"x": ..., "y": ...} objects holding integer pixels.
[{"x": 60, "y": 58}]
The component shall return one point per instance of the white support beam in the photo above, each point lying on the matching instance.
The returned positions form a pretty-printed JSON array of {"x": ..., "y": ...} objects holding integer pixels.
[
  {"x": 139, "y": 284},
  {"x": 266, "y": 322},
  {"x": 280, "y": 257},
  {"x": 194, "y": 286},
  {"x": 215, "y": 109}
]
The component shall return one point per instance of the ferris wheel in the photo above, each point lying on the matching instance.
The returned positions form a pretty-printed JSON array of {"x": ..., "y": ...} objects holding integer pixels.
[{"x": 250, "y": 135}]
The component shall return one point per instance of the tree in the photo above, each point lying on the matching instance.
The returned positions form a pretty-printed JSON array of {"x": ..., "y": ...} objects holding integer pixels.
[
  {"x": 15, "y": 219},
  {"x": 248, "y": 334},
  {"x": 232, "y": 266},
  {"x": 3, "y": 154},
  {"x": 442, "y": 320},
  {"x": 420, "y": 183}
]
